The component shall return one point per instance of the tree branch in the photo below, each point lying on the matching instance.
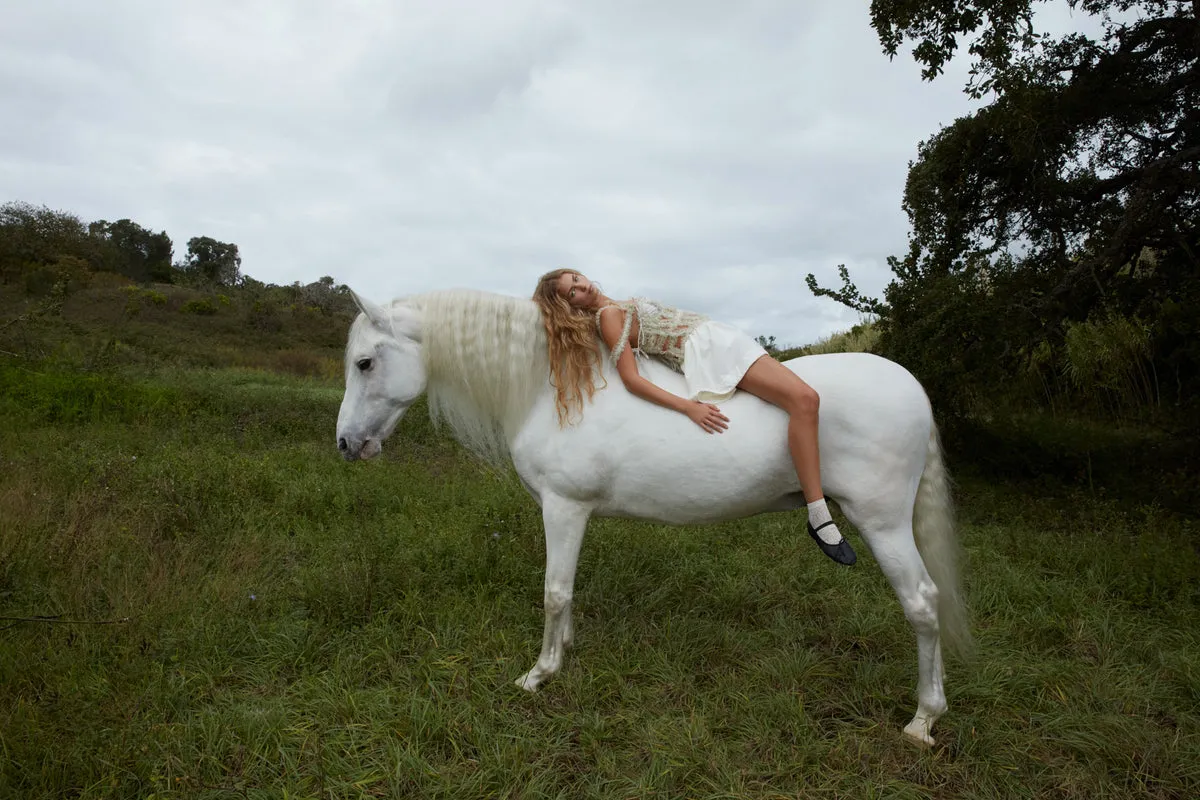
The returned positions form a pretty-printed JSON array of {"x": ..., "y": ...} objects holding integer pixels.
[{"x": 1135, "y": 174}]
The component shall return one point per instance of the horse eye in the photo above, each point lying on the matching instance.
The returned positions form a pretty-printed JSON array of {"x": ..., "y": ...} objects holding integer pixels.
[{"x": 363, "y": 364}]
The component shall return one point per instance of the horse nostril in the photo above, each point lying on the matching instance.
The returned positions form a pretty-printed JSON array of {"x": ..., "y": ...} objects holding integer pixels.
[{"x": 342, "y": 444}]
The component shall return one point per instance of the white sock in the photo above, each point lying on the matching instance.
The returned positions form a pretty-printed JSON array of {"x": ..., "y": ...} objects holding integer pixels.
[{"x": 818, "y": 515}]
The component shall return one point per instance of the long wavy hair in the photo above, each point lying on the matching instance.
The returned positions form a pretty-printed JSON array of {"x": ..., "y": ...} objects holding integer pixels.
[{"x": 574, "y": 346}]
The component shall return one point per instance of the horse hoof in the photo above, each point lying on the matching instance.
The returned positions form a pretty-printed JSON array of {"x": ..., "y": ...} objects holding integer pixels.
[
  {"x": 528, "y": 682},
  {"x": 919, "y": 736}
]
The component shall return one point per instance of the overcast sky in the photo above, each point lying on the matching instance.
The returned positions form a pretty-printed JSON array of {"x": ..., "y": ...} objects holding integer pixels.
[{"x": 702, "y": 152}]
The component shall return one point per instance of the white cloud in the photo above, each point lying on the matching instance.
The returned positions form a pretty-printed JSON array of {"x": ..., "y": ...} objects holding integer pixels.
[{"x": 707, "y": 153}]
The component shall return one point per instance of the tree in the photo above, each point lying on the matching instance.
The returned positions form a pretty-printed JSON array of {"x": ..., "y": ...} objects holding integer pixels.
[
  {"x": 216, "y": 262},
  {"x": 327, "y": 296},
  {"x": 36, "y": 240},
  {"x": 135, "y": 251},
  {"x": 1073, "y": 195},
  {"x": 767, "y": 343},
  {"x": 38, "y": 235},
  {"x": 848, "y": 295}
]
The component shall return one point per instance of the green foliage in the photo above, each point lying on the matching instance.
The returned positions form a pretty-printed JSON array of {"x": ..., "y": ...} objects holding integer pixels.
[
  {"x": 1110, "y": 359},
  {"x": 42, "y": 248},
  {"x": 326, "y": 296},
  {"x": 265, "y": 316},
  {"x": 1134, "y": 463},
  {"x": 131, "y": 250},
  {"x": 767, "y": 343},
  {"x": 938, "y": 27},
  {"x": 136, "y": 298},
  {"x": 200, "y": 306},
  {"x": 218, "y": 263},
  {"x": 1066, "y": 203},
  {"x": 848, "y": 295},
  {"x": 38, "y": 235},
  {"x": 862, "y": 338}
]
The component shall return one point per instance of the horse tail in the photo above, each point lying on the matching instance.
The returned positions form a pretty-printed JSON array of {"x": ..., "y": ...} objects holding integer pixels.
[{"x": 933, "y": 528}]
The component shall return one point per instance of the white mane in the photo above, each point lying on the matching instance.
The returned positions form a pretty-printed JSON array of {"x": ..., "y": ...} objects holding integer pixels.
[{"x": 485, "y": 356}]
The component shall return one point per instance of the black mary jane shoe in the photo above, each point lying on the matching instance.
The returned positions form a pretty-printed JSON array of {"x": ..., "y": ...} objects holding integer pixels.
[{"x": 841, "y": 552}]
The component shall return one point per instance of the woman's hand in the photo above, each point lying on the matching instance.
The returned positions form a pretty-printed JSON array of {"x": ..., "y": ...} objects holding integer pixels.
[{"x": 707, "y": 416}]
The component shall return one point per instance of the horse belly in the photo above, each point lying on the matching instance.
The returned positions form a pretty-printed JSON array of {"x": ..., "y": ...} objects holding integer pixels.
[
  {"x": 630, "y": 458},
  {"x": 696, "y": 497}
]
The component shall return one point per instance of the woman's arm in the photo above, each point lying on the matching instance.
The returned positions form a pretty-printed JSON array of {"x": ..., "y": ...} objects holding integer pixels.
[{"x": 706, "y": 415}]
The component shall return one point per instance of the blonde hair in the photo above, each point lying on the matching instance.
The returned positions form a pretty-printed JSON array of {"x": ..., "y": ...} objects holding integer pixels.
[{"x": 574, "y": 346}]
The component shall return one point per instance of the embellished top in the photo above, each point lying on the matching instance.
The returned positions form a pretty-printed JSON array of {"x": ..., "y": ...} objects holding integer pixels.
[{"x": 662, "y": 330}]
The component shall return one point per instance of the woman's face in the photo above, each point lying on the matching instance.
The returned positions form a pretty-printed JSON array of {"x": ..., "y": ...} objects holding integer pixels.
[{"x": 578, "y": 290}]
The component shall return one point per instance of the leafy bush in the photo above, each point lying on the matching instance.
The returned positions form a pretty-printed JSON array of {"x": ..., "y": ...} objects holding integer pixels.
[
  {"x": 263, "y": 316},
  {"x": 203, "y": 307},
  {"x": 862, "y": 338}
]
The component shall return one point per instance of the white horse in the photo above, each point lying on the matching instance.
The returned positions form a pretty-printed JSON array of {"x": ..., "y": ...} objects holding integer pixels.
[{"x": 482, "y": 358}]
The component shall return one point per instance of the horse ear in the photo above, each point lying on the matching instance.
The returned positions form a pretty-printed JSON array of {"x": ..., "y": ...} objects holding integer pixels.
[
  {"x": 379, "y": 318},
  {"x": 406, "y": 322}
]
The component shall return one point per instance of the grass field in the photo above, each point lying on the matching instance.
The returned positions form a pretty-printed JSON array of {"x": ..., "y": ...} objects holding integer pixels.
[{"x": 226, "y": 610}]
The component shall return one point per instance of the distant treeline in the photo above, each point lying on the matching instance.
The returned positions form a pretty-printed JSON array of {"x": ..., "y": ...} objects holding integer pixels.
[{"x": 45, "y": 251}]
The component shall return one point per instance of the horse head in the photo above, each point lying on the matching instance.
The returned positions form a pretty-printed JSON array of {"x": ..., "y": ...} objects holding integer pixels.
[{"x": 385, "y": 374}]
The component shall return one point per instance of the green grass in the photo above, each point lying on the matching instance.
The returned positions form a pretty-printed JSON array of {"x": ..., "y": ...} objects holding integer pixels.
[{"x": 301, "y": 627}]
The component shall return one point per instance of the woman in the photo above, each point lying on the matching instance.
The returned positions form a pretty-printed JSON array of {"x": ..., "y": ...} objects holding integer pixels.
[{"x": 715, "y": 359}]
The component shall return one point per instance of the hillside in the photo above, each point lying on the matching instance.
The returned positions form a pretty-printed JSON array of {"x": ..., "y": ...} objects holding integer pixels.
[{"x": 114, "y": 323}]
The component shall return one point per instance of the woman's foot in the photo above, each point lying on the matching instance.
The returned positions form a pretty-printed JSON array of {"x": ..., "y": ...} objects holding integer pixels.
[
  {"x": 825, "y": 533},
  {"x": 838, "y": 549}
]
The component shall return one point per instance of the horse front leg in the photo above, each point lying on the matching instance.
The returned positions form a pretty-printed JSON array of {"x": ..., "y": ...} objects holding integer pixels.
[{"x": 565, "y": 522}]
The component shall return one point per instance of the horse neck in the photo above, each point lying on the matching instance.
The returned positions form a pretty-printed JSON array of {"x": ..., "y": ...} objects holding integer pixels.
[{"x": 485, "y": 358}]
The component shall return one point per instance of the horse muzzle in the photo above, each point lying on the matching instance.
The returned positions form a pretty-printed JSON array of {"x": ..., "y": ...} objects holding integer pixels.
[{"x": 354, "y": 449}]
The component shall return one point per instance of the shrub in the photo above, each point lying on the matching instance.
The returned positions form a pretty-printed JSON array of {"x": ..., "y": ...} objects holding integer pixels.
[
  {"x": 263, "y": 317},
  {"x": 40, "y": 281},
  {"x": 202, "y": 306},
  {"x": 862, "y": 338}
]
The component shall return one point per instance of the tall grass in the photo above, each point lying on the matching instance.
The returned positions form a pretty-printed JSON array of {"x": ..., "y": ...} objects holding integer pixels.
[
  {"x": 1109, "y": 359},
  {"x": 234, "y": 612},
  {"x": 862, "y": 338}
]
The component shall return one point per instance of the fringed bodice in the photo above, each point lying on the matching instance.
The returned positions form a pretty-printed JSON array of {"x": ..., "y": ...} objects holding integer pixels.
[{"x": 662, "y": 330}]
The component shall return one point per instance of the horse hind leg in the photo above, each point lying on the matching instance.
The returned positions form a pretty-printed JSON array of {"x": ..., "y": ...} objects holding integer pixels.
[
  {"x": 887, "y": 529},
  {"x": 898, "y": 557},
  {"x": 565, "y": 522}
]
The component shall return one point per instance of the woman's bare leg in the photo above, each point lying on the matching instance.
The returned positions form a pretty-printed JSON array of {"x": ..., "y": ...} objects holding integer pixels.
[{"x": 778, "y": 385}]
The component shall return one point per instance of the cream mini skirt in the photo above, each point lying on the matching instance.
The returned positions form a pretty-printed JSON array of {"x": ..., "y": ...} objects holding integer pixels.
[{"x": 715, "y": 359}]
